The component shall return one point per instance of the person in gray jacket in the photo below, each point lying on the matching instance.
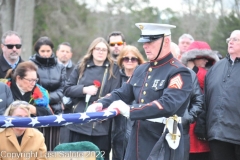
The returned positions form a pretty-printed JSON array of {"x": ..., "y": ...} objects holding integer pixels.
[{"x": 6, "y": 97}]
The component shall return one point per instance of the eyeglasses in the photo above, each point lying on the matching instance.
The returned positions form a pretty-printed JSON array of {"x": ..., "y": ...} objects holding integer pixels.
[
  {"x": 130, "y": 59},
  {"x": 32, "y": 80},
  {"x": 116, "y": 43},
  {"x": 101, "y": 49},
  {"x": 10, "y": 46},
  {"x": 232, "y": 39}
]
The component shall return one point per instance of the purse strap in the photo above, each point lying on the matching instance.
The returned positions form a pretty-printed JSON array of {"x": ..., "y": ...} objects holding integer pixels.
[{"x": 104, "y": 79}]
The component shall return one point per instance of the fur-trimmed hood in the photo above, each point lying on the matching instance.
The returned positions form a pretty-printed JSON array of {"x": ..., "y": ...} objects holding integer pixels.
[{"x": 197, "y": 51}]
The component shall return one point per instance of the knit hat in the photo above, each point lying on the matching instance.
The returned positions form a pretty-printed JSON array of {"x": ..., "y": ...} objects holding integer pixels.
[
  {"x": 200, "y": 49},
  {"x": 80, "y": 146}
]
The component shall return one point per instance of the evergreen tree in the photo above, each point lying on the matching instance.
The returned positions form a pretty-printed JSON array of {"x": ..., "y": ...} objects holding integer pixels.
[{"x": 226, "y": 25}]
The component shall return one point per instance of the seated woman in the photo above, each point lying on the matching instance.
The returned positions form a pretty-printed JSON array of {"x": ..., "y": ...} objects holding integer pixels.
[
  {"x": 23, "y": 84},
  {"x": 17, "y": 140}
]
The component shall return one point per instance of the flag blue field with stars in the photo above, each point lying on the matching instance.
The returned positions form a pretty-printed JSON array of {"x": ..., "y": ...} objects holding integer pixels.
[{"x": 55, "y": 120}]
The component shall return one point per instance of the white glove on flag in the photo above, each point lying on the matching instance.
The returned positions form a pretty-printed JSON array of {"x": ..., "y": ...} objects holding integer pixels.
[
  {"x": 95, "y": 107},
  {"x": 123, "y": 108}
]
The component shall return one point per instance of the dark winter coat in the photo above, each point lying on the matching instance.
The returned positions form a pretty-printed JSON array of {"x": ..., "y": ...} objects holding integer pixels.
[
  {"x": 222, "y": 92},
  {"x": 6, "y": 97},
  {"x": 52, "y": 77},
  {"x": 195, "y": 105},
  {"x": 161, "y": 89},
  {"x": 121, "y": 129},
  {"x": 69, "y": 68},
  {"x": 4, "y": 66},
  {"x": 74, "y": 89}
]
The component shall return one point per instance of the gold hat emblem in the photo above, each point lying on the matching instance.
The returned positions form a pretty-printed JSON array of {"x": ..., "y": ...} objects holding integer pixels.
[{"x": 141, "y": 27}]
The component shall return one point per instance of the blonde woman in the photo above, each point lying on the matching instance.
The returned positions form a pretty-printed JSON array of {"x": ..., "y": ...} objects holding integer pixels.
[{"x": 19, "y": 140}]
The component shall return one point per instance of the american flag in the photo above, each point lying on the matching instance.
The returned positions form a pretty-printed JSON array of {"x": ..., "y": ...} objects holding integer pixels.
[{"x": 55, "y": 120}]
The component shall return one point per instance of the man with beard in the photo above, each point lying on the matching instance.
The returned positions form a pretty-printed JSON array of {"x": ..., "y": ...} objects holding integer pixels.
[
  {"x": 11, "y": 51},
  {"x": 116, "y": 42}
]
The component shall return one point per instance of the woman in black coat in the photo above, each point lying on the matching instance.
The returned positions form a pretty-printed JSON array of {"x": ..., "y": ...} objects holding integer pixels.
[
  {"x": 52, "y": 77},
  {"x": 96, "y": 65}
]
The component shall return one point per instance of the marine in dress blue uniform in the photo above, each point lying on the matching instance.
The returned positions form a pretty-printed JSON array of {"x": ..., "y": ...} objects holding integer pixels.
[{"x": 160, "y": 87}]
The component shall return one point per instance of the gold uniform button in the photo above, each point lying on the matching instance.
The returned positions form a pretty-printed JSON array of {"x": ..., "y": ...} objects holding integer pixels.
[
  {"x": 149, "y": 77},
  {"x": 132, "y": 107},
  {"x": 150, "y": 69},
  {"x": 144, "y": 92},
  {"x": 155, "y": 63},
  {"x": 146, "y": 84},
  {"x": 134, "y": 84},
  {"x": 172, "y": 61},
  {"x": 142, "y": 100}
]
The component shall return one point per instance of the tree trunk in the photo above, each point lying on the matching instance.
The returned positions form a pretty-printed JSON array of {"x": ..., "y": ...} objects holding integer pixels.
[
  {"x": 7, "y": 14},
  {"x": 23, "y": 24}
]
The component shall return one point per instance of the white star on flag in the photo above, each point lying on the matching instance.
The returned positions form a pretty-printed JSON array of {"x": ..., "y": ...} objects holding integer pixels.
[
  {"x": 83, "y": 116},
  {"x": 34, "y": 121},
  {"x": 107, "y": 113},
  {"x": 59, "y": 118},
  {"x": 65, "y": 124},
  {"x": 8, "y": 123}
]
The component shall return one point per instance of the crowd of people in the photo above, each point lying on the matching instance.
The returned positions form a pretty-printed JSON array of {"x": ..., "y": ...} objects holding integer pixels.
[{"x": 185, "y": 93}]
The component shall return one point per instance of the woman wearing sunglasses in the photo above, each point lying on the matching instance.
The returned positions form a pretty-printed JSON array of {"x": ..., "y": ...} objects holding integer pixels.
[
  {"x": 96, "y": 65},
  {"x": 129, "y": 58}
]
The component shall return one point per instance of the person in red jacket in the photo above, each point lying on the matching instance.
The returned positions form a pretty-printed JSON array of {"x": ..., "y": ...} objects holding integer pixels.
[{"x": 199, "y": 57}]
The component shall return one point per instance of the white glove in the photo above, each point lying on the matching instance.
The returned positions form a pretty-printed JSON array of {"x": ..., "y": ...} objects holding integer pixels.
[
  {"x": 123, "y": 108},
  {"x": 95, "y": 107}
]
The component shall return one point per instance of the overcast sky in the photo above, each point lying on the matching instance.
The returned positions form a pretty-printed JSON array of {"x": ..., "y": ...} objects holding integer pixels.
[{"x": 175, "y": 5}]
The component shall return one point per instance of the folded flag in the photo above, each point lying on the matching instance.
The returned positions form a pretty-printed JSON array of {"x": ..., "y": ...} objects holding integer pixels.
[{"x": 55, "y": 120}]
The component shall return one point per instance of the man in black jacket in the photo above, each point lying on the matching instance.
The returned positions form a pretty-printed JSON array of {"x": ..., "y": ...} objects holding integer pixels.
[
  {"x": 11, "y": 51},
  {"x": 222, "y": 103}
]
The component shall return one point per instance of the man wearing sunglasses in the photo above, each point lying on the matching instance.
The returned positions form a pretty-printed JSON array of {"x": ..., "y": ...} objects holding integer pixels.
[
  {"x": 161, "y": 88},
  {"x": 116, "y": 41},
  {"x": 11, "y": 51}
]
